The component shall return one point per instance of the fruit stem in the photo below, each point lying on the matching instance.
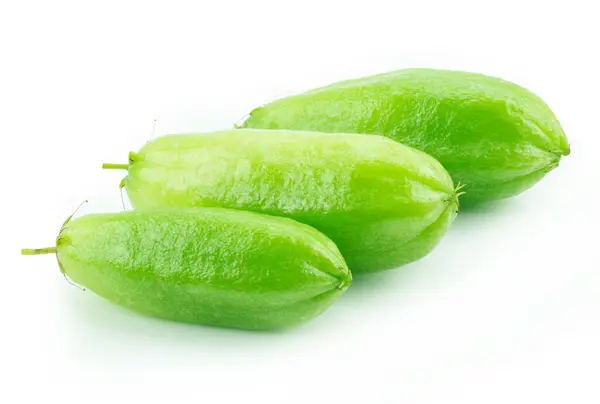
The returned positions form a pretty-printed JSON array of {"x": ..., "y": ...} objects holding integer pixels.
[
  {"x": 111, "y": 166},
  {"x": 38, "y": 251}
]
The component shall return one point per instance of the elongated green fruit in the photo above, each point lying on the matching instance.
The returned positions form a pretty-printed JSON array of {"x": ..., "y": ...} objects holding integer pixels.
[
  {"x": 209, "y": 266},
  {"x": 496, "y": 138},
  {"x": 382, "y": 203}
]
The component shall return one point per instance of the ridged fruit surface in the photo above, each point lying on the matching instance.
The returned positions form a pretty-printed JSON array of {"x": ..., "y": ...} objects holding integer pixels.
[
  {"x": 493, "y": 136},
  {"x": 209, "y": 266},
  {"x": 382, "y": 203}
]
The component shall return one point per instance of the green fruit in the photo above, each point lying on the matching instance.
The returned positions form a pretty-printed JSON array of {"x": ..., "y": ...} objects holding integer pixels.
[
  {"x": 382, "y": 203},
  {"x": 496, "y": 138},
  {"x": 209, "y": 266}
]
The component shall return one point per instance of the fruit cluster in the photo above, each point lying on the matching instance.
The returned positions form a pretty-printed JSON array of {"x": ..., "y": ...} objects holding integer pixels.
[{"x": 261, "y": 226}]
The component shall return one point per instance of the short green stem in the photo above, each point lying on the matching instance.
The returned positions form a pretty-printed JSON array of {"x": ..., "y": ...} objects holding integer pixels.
[
  {"x": 38, "y": 251},
  {"x": 111, "y": 166}
]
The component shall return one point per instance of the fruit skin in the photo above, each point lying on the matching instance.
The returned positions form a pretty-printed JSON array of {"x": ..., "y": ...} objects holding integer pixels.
[
  {"x": 209, "y": 266},
  {"x": 496, "y": 138},
  {"x": 382, "y": 203}
]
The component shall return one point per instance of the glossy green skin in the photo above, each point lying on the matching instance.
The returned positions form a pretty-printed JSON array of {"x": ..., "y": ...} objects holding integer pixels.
[
  {"x": 382, "y": 203},
  {"x": 493, "y": 136},
  {"x": 209, "y": 266}
]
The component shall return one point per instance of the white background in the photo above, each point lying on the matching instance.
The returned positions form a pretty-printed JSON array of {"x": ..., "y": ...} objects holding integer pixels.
[{"x": 505, "y": 310}]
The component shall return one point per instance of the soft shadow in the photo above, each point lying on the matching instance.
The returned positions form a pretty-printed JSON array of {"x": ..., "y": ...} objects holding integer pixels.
[
  {"x": 497, "y": 206},
  {"x": 411, "y": 277},
  {"x": 371, "y": 286}
]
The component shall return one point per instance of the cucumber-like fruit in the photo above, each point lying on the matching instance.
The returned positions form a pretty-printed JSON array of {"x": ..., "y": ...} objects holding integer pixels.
[
  {"x": 493, "y": 136},
  {"x": 210, "y": 266},
  {"x": 382, "y": 203}
]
